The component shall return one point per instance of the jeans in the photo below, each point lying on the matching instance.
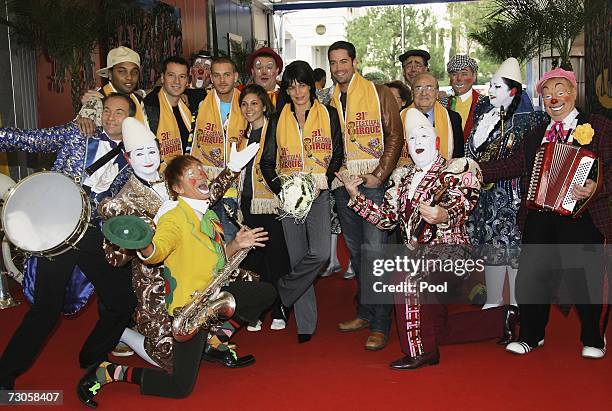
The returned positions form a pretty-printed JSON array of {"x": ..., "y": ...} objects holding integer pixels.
[
  {"x": 357, "y": 233},
  {"x": 229, "y": 228}
]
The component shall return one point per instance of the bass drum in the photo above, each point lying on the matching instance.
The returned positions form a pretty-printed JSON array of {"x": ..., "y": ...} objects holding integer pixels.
[
  {"x": 45, "y": 214},
  {"x": 12, "y": 258}
]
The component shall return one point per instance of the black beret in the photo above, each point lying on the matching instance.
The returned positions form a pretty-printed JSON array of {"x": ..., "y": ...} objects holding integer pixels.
[{"x": 415, "y": 52}]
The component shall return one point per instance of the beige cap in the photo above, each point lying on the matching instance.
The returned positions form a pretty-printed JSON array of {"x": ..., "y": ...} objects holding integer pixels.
[
  {"x": 135, "y": 134},
  {"x": 119, "y": 55},
  {"x": 510, "y": 69},
  {"x": 415, "y": 119}
]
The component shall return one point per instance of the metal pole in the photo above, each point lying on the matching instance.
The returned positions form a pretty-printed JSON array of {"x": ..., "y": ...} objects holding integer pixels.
[{"x": 403, "y": 28}]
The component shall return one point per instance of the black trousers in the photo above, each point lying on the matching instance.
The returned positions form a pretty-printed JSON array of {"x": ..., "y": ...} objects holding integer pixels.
[
  {"x": 113, "y": 287},
  {"x": 539, "y": 277},
  {"x": 252, "y": 298},
  {"x": 272, "y": 261}
]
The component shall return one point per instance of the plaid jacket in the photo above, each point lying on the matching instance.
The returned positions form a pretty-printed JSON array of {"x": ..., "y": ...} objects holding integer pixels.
[{"x": 521, "y": 164}]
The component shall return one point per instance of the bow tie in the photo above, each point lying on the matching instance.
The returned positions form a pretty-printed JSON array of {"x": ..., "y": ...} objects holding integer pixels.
[{"x": 113, "y": 143}]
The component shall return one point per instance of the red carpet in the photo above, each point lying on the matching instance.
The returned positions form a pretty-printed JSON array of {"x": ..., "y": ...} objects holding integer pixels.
[{"x": 333, "y": 371}]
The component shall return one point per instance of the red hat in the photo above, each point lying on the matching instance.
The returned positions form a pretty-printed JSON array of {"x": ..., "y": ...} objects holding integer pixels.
[
  {"x": 259, "y": 52},
  {"x": 556, "y": 73}
]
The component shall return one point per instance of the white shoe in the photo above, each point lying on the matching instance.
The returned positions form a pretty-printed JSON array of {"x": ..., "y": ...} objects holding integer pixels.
[
  {"x": 330, "y": 270},
  {"x": 254, "y": 328},
  {"x": 278, "y": 324},
  {"x": 594, "y": 353},
  {"x": 521, "y": 347},
  {"x": 349, "y": 274},
  {"x": 122, "y": 350}
]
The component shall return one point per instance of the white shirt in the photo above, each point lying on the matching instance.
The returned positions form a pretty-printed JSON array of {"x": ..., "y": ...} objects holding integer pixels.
[
  {"x": 101, "y": 180},
  {"x": 569, "y": 124},
  {"x": 465, "y": 96},
  {"x": 485, "y": 126}
]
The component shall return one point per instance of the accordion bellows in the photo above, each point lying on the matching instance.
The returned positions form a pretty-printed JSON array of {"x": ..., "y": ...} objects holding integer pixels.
[{"x": 557, "y": 168}]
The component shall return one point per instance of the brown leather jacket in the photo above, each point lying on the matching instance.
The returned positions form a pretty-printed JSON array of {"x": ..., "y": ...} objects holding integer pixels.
[{"x": 392, "y": 133}]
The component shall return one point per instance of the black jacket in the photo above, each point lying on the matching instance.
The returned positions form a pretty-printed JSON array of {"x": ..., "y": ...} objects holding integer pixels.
[
  {"x": 268, "y": 157},
  {"x": 458, "y": 143}
]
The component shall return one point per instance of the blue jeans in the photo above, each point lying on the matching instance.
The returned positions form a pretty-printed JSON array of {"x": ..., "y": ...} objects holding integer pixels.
[
  {"x": 357, "y": 233},
  {"x": 229, "y": 229}
]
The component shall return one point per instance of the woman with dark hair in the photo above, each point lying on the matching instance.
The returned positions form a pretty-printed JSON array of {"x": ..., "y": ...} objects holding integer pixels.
[
  {"x": 496, "y": 135},
  {"x": 306, "y": 138},
  {"x": 258, "y": 203}
]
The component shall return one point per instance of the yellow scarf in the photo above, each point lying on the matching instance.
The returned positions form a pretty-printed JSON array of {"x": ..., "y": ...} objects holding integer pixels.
[
  {"x": 404, "y": 159},
  {"x": 214, "y": 138},
  {"x": 168, "y": 133},
  {"x": 264, "y": 201},
  {"x": 308, "y": 150},
  {"x": 443, "y": 127},
  {"x": 108, "y": 88},
  {"x": 362, "y": 126}
]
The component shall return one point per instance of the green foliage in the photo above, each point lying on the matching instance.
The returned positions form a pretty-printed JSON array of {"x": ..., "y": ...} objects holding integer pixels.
[
  {"x": 522, "y": 28},
  {"x": 239, "y": 54},
  {"x": 376, "y": 77},
  {"x": 377, "y": 38},
  {"x": 67, "y": 31}
]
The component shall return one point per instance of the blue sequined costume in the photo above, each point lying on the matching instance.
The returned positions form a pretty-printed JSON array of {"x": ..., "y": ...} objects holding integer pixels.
[{"x": 74, "y": 153}]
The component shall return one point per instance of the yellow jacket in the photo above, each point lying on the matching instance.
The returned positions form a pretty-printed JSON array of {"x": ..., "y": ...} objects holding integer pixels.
[{"x": 188, "y": 254}]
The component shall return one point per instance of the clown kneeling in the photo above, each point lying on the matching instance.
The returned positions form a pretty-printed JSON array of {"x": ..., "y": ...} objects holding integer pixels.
[
  {"x": 422, "y": 327},
  {"x": 189, "y": 241}
]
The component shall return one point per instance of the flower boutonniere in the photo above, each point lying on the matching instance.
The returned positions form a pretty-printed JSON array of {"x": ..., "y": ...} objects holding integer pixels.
[{"x": 584, "y": 134}]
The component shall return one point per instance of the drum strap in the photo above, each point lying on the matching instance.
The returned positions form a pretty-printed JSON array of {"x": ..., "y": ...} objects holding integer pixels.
[{"x": 104, "y": 159}]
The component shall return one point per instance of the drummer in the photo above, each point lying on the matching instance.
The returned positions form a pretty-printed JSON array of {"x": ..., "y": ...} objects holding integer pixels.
[{"x": 75, "y": 153}]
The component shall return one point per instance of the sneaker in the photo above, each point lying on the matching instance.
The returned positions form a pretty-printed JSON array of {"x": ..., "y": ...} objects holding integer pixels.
[
  {"x": 349, "y": 274},
  {"x": 594, "y": 353},
  {"x": 122, "y": 350},
  {"x": 521, "y": 347},
  {"x": 278, "y": 324},
  {"x": 254, "y": 327},
  {"x": 330, "y": 270}
]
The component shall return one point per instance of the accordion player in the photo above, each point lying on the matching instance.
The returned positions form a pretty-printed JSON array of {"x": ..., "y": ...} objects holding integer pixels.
[{"x": 557, "y": 168}]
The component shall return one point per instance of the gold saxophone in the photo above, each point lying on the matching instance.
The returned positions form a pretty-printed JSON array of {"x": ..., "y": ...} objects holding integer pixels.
[{"x": 211, "y": 306}]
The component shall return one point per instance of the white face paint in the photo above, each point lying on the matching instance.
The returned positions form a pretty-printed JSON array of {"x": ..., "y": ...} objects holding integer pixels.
[
  {"x": 422, "y": 146},
  {"x": 499, "y": 93},
  {"x": 145, "y": 161}
]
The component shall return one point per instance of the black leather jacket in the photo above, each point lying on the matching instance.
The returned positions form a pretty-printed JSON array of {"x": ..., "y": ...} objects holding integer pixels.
[{"x": 268, "y": 157}]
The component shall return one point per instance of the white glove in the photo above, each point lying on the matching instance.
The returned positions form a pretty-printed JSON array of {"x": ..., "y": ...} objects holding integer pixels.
[{"x": 239, "y": 159}]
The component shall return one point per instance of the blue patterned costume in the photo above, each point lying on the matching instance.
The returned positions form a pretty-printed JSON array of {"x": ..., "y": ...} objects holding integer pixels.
[
  {"x": 493, "y": 221},
  {"x": 74, "y": 153}
]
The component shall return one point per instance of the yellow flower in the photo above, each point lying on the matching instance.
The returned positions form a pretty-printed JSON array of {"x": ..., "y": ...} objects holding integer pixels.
[{"x": 584, "y": 134}]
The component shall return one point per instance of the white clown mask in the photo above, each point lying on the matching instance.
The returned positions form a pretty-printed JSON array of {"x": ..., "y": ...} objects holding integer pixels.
[
  {"x": 141, "y": 145},
  {"x": 499, "y": 93},
  {"x": 422, "y": 145},
  {"x": 145, "y": 161}
]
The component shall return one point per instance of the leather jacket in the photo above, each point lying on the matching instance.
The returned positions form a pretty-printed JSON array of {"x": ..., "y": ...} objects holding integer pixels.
[
  {"x": 392, "y": 132},
  {"x": 268, "y": 157}
]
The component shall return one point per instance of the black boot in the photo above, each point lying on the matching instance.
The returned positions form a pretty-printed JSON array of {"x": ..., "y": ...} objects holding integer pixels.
[
  {"x": 88, "y": 387},
  {"x": 227, "y": 357},
  {"x": 510, "y": 320}
]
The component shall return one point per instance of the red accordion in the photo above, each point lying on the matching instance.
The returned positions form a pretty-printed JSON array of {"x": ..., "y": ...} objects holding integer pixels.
[{"x": 557, "y": 168}]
